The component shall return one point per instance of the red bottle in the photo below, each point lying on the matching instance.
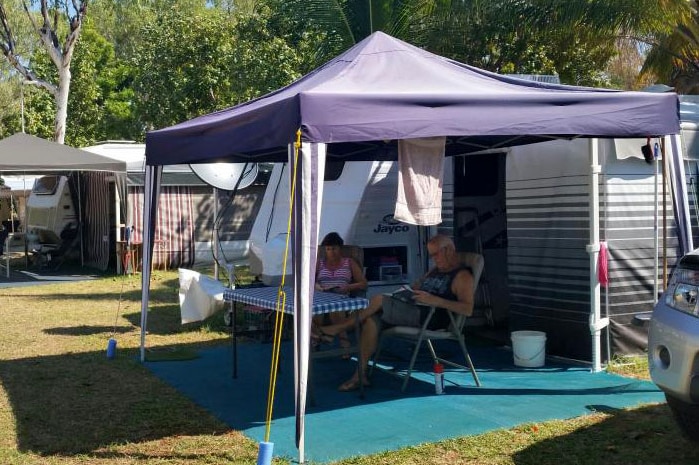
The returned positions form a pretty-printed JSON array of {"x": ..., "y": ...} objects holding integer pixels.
[{"x": 438, "y": 378}]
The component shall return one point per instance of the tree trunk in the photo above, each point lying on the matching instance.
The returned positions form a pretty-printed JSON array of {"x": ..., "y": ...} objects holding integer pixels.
[{"x": 64, "y": 78}]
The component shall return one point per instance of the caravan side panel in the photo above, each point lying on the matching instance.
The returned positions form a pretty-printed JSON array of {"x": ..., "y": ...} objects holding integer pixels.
[
  {"x": 627, "y": 223},
  {"x": 548, "y": 229}
]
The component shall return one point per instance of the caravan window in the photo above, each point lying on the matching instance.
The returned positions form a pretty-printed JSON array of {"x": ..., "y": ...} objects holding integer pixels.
[
  {"x": 45, "y": 185},
  {"x": 477, "y": 175}
]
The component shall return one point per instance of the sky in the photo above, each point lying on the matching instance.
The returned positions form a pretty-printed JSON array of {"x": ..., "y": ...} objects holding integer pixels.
[{"x": 19, "y": 182}]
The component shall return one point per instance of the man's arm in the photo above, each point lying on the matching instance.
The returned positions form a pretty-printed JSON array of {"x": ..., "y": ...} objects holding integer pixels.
[{"x": 461, "y": 286}]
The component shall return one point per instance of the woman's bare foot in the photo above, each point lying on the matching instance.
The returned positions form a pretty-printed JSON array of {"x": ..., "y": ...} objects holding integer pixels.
[
  {"x": 333, "y": 330},
  {"x": 352, "y": 384}
]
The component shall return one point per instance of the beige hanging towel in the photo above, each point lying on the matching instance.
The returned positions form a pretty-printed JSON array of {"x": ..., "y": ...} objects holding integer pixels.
[{"x": 420, "y": 170}]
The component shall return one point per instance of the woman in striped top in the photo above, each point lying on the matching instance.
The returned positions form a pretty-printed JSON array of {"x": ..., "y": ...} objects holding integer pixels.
[
  {"x": 336, "y": 273},
  {"x": 339, "y": 274}
]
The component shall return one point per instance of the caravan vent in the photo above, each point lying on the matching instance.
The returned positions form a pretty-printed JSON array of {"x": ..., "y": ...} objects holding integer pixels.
[{"x": 547, "y": 78}]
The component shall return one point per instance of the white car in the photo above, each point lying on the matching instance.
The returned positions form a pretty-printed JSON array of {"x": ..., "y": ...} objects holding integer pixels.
[{"x": 673, "y": 344}]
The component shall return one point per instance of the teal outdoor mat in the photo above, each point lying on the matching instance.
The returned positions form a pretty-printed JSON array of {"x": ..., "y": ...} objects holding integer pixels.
[{"x": 340, "y": 425}]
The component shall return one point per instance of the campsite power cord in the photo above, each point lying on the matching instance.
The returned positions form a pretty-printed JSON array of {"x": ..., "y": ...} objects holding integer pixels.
[
  {"x": 111, "y": 343},
  {"x": 216, "y": 230},
  {"x": 116, "y": 317}
]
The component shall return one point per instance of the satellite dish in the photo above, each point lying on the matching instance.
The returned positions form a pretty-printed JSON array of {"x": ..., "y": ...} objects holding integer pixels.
[{"x": 226, "y": 175}]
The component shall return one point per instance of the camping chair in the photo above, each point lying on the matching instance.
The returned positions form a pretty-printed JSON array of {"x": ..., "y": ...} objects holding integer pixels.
[
  {"x": 454, "y": 333},
  {"x": 357, "y": 253},
  {"x": 52, "y": 252}
]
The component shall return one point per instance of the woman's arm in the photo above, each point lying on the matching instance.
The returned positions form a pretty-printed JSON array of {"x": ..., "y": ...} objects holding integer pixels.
[
  {"x": 318, "y": 285},
  {"x": 358, "y": 279}
]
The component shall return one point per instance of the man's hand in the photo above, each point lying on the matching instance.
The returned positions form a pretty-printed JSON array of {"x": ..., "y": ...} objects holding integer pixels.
[{"x": 425, "y": 298}]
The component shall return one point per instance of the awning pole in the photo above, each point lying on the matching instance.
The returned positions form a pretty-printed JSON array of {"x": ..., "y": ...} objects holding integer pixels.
[{"x": 596, "y": 322}]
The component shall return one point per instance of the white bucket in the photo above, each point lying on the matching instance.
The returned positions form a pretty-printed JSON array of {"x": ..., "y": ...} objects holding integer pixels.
[{"x": 529, "y": 348}]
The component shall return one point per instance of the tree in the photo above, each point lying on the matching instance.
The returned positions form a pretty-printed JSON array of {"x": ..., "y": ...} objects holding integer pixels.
[
  {"x": 100, "y": 100},
  {"x": 121, "y": 21},
  {"x": 674, "y": 56},
  {"x": 101, "y": 97},
  {"x": 191, "y": 64},
  {"x": 10, "y": 105},
  {"x": 573, "y": 38},
  {"x": 625, "y": 67},
  {"x": 59, "y": 18},
  {"x": 346, "y": 22}
]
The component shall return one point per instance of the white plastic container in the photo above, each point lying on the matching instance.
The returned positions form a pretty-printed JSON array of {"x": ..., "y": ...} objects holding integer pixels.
[{"x": 529, "y": 348}]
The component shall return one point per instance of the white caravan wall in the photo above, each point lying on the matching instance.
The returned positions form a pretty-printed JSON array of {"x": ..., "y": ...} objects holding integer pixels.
[{"x": 359, "y": 205}]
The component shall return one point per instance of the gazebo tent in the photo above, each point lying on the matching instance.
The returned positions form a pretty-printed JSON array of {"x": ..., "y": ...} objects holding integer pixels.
[
  {"x": 30, "y": 154},
  {"x": 24, "y": 153},
  {"x": 356, "y": 107}
]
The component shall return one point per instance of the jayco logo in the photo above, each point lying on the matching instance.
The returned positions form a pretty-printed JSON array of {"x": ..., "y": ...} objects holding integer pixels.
[{"x": 390, "y": 225}]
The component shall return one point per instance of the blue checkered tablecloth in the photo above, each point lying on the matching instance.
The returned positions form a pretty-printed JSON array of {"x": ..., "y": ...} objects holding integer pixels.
[{"x": 266, "y": 297}]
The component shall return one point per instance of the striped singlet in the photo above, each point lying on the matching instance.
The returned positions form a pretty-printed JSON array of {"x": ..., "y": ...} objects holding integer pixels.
[{"x": 342, "y": 276}]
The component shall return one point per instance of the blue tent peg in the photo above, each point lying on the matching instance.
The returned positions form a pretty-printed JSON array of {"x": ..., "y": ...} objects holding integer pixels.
[{"x": 111, "y": 348}]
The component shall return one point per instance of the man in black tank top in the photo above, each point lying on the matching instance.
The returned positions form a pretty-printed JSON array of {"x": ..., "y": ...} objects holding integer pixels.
[
  {"x": 448, "y": 286},
  {"x": 439, "y": 283}
]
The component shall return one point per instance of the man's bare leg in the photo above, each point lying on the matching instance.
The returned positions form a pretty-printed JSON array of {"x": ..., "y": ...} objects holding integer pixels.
[{"x": 364, "y": 314}]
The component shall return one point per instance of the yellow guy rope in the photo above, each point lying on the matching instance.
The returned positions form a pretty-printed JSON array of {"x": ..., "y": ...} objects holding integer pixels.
[{"x": 281, "y": 300}]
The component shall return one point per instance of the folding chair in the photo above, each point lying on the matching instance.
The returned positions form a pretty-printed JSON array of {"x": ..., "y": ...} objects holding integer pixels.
[
  {"x": 357, "y": 253},
  {"x": 53, "y": 252},
  {"x": 454, "y": 332}
]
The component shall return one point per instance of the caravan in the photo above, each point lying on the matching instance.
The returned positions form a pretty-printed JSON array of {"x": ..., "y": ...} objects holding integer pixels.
[
  {"x": 527, "y": 210},
  {"x": 52, "y": 221},
  {"x": 189, "y": 221},
  {"x": 358, "y": 204},
  {"x": 193, "y": 217}
]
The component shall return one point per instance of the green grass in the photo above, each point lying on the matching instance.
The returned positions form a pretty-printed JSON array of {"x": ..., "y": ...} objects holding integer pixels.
[{"x": 62, "y": 402}]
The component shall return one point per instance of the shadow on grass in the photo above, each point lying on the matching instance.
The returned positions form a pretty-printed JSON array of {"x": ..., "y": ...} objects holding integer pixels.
[
  {"x": 77, "y": 403},
  {"x": 87, "y": 330},
  {"x": 163, "y": 293},
  {"x": 165, "y": 319},
  {"x": 644, "y": 435}
]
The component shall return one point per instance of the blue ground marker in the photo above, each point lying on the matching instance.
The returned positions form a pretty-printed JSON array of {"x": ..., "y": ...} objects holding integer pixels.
[{"x": 264, "y": 456}]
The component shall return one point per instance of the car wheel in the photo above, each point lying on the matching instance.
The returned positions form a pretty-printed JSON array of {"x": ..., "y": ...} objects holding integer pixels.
[{"x": 686, "y": 415}]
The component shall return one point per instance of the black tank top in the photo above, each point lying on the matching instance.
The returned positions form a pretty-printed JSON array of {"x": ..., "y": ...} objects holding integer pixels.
[{"x": 439, "y": 284}]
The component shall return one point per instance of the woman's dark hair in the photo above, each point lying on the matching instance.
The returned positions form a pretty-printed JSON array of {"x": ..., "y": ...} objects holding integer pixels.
[{"x": 332, "y": 238}]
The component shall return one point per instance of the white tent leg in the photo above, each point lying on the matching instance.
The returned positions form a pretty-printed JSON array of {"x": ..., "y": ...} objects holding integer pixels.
[
  {"x": 150, "y": 210},
  {"x": 308, "y": 198}
]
